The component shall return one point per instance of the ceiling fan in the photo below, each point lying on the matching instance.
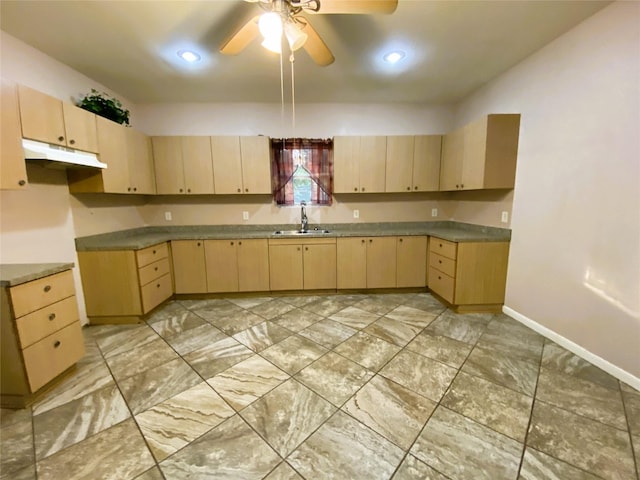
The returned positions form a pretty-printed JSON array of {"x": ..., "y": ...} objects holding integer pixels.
[{"x": 284, "y": 18}]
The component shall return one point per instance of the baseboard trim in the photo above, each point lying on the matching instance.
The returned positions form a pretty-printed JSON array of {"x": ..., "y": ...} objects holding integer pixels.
[{"x": 599, "y": 362}]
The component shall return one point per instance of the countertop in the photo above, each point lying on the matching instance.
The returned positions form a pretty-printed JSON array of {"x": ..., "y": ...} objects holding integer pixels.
[
  {"x": 138, "y": 238},
  {"x": 12, "y": 274}
]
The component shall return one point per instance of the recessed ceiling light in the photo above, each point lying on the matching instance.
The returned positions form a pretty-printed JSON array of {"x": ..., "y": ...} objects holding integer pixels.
[
  {"x": 188, "y": 56},
  {"x": 393, "y": 57}
]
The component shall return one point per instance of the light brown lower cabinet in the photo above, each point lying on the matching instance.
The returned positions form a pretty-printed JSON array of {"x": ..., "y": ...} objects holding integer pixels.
[
  {"x": 302, "y": 264},
  {"x": 189, "y": 272},
  {"x": 123, "y": 285},
  {"x": 41, "y": 336},
  {"x": 469, "y": 275},
  {"x": 411, "y": 261},
  {"x": 221, "y": 260},
  {"x": 366, "y": 262}
]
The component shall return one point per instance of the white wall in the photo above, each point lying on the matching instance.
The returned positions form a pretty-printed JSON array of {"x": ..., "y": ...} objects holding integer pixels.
[{"x": 574, "y": 265}]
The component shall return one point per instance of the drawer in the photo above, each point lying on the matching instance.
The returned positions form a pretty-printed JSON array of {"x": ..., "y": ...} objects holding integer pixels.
[
  {"x": 154, "y": 293},
  {"x": 151, "y": 254},
  {"x": 441, "y": 284},
  {"x": 443, "y": 247},
  {"x": 153, "y": 270},
  {"x": 52, "y": 355},
  {"x": 444, "y": 264},
  {"x": 41, "y": 323},
  {"x": 32, "y": 296}
]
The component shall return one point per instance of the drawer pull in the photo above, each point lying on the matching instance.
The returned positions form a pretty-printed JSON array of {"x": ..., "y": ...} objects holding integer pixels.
[
  {"x": 154, "y": 252},
  {"x": 362, "y": 241},
  {"x": 239, "y": 243},
  {"x": 22, "y": 183},
  {"x": 158, "y": 285},
  {"x": 439, "y": 261},
  {"x": 47, "y": 288},
  {"x": 440, "y": 245},
  {"x": 231, "y": 243},
  {"x": 198, "y": 244},
  {"x": 306, "y": 248},
  {"x": 400, "y": 240},
  {"x": 60, "y": 138},
  {"x": 408, "y": 188},
  {"x": 56, "y": 344},
  {"x": 72, "y": 141},
  {"x": 439, "y": 277},
  {"x": 52, "y": 317},
  {"x": 239, "y": 190}
]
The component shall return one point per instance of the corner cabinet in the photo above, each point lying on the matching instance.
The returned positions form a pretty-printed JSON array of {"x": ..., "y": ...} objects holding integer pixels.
[
  {"x": 47, "y": 119},
  {"x": 41, "y": 336},
  {"x": 481, "y": 155},
  {"x": 13, "y": 170},
  {"x": 359, "y": 164},
  {"x": 127, "y": 154},
  {"x": 121, "y": 286},
  {"x": 470, "y": 276}
]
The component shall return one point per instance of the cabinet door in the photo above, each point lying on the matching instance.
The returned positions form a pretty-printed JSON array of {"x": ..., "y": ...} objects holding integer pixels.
[
  {"x": 167, "y": 161},
  {"x": 253, "y": 265},
  {"x": 346, "y": 164},
  {"x": 474, "y": 155},
  {"x": 319, "y": 267},
  {"x": 140, "y": 161},
  {"x": 285, "y": 267},
  {"x": 381, "y": 262},
  {"x": 399, "y": 164},
  {"x": 227, "y": 166},
  {"x": 222, "y": 265},
  {"x": 80, "y": 128},
  {"x": 112, "y": 141},
  {"x": 197, "y": 164},
  {"x": 373, "y": 155},
  {"x": 503, "y": 131},
  {"x": 189, "y": 266},
  {"x": 13, "y": 170},
  {"x": 351, "y": 254},
  {"x": 426, "y": 163},
  {"x": 256, "y": 164},
  {"x": 411, "y": 261},
  {"x": 41, "y": 116},
  {"x": 451, "y": 163},
  {"x": 481, "y": 273}
]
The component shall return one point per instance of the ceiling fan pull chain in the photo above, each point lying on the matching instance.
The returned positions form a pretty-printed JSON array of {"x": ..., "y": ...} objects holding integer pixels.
[
  {"x": 281, "y": 93},
  {"x": 293, "y": 96}
]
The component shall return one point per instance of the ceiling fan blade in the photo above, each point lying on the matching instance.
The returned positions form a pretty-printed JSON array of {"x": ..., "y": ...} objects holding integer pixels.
[
  {"x": 243, "y": 37},
  {"x": 316, "y": 48},
  {"x": 357, "y": 6}
]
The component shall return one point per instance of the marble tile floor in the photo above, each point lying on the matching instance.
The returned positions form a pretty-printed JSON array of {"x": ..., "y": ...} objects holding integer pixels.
[{"x": 347, "y": 387}]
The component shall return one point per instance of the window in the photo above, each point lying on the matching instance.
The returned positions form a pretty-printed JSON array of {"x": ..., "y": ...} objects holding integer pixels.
[{"x": 302, "y": 171}]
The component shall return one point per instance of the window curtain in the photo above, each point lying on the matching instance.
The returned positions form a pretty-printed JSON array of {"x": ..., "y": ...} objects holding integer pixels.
[{"x": 319, "y": 164}]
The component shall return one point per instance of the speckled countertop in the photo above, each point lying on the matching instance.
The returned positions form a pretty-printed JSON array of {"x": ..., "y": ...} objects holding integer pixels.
[
  {"x": 143, "y": 237},
  {"x": 12, "y": 274}
]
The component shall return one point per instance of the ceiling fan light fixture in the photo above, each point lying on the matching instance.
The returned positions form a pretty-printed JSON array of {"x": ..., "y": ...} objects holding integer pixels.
[
  {"x": 295, "y": 36},
  {"x": 270, "y": 25},
  {"x": 188, "y": 56},
  {"x": 273, "y": 44},
  {"x": 394, "y": 57}
]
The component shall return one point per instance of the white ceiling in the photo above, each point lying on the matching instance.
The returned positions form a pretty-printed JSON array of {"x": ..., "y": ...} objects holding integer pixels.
[{"x": 453, "y": 47}]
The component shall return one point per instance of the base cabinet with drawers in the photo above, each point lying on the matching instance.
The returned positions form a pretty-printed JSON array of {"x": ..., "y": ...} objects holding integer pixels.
[
  {"x": 41, "y": 336},
  {"x": 123, "y": 285},
  {"x": 471, "y": 276}
]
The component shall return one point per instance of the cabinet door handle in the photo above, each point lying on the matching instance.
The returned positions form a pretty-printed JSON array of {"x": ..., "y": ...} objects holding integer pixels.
[
  {"x": 246, "y": 190},
  {"x": 440, "y": 245},
  {"x": 239, "y": 243},
  {"x": 22, "y": 183},
  {"x": 154, "y": 252},
  {"x": 47, "y": 288},
  {"x": 400, "y": 240},
  {"x": 370, "y": 240},
  {"x": 363, "y": 240},
  {"x": 462, "y": 185},
  {"x": 439, "y": 261},
  {"x": 298, "y": 248},
  {"x": 231, "y": 243},
  {"x": 306, "y": 248},
  {"x": 439, "y": 277},
  {"x": 415, "y": 188},
  {"x": 56, "y": 344},
  {"x": 156, "y": 268},
  {"x": 181, "y": 190},
  {"x": 158, "y": 286},
  {"x": 52, "y": 316},
  {"x": 408, "y": 188},
  {"x": 60, "y": 138},
  {"x": 457, "y": 186},
  {"x": 129, "y": 189},
  {"x": 188, "y": 190},
  {"x": 72, "y": 141},
  {"x": 135, "y": 189},
  {"x": 355, "y": 189},
  {"x": 363, "y": 189},
  {"x": 239, "y": 190}
]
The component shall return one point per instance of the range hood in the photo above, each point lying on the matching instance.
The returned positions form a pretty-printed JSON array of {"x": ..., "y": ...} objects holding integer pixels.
[{"x": 55, "y": 156}]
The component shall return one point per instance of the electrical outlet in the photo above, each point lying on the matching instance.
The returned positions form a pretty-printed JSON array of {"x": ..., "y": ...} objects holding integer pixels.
[
  {"x": 167, "y": 216},
  {"x": 245, "y": 215},
  {"x": 505, "y": 217},
  {"x": 356, "y": 214},
  {"x": 434, "y": 212}
]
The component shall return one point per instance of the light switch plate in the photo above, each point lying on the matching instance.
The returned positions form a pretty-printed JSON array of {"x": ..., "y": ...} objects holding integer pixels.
[
  {"x": 356, "y": 214},
  {"x": 434, "y": 212},
  {"x": 167, "y": 216},
  {"x": 505, "y": 217},
  {"x": 245, "y": 215}
]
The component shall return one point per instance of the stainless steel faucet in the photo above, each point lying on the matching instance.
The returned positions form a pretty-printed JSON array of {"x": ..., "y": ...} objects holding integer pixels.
[{"x": 304, "y": 221}]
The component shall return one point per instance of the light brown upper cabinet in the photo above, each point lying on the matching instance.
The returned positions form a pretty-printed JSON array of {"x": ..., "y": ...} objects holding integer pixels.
[
  {"x": 183, "y": 165},
  {"x": 241, "y": 164},
  {"x": 481, "y": 155},
  {"x": 50, "y": 120},
  {"x": 127, "y": 154},
  {"x": 13, "y": 171},
  {"x": 413, "y": 163},
  {"x": 359, "y": 164}
]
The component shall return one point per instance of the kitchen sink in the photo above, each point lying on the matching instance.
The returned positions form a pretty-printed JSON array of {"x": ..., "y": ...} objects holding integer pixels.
[{"x": 285, "y": 233}]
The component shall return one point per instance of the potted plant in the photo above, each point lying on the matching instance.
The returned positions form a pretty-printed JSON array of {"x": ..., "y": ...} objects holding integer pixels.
[{"x": 105, "y": 106}]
